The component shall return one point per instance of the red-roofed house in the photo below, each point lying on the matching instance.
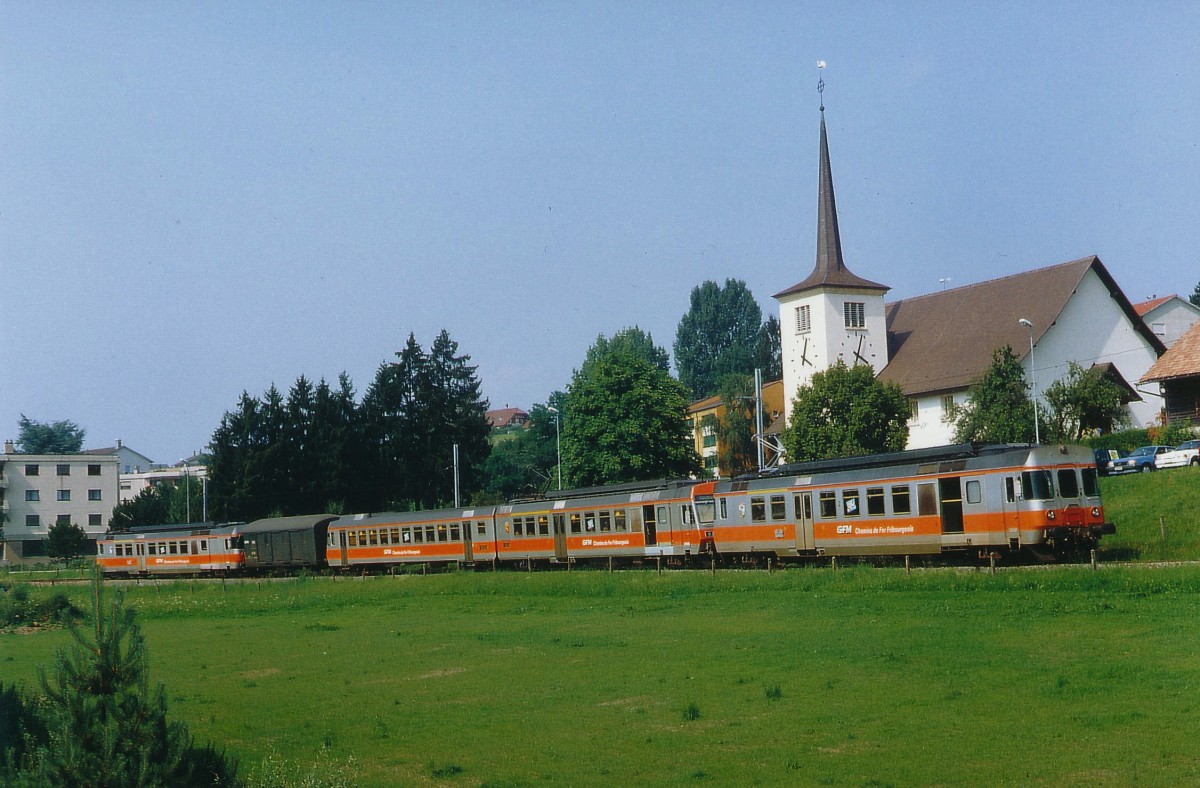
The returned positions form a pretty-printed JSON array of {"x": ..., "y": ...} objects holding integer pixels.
[
  {"x": 1169, "y": 317},
  {"x": 507, "y": 417}
]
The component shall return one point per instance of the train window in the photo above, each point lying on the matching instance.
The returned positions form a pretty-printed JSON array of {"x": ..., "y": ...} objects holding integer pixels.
[
  {"x": 758, "y": 509},
  {"x": 1090, "y": 487},
  {"x": 1010, "y": 489},
  {"x": 518, "y": 526},
  {"x": 778, "y": 507},
  {"x": 589, "y": 521},
  {"x": 605, "y": 521},
  {"x": 927, "y": 499},
  {"x": 442, "y": 533},
  {"x": 850, "y": 503},
  {"x": 1037, "y": 485},
  {"x": 454, "y": 532},
  {"x": 543, "y": 525},
  {"x": 353, "y": 540},
  {"x": 724, "y": 509},
  {"x": 1068, "y": 483},
  {"x": 172, "y": 548},
  {"x": 575, "y": 522},
  {"x": 429, "y": 533},
  {"x": 395, "y": 536},
  {"x": 204, "y": 546},
  {"x": 419, "y": 534},
  {"x": 406, "y": 536},
  {"x": 685, "y": 514},
  {"x": 619, "y": 521},
  {"x": 530, "y": 526},
  {"x": 481, "y": 528},
  {"x": 974, "y": 491},
  {"x": 876, "y": 503},
  {"x": 373, "y": 536},
  {"x": 828, "y": 504}
]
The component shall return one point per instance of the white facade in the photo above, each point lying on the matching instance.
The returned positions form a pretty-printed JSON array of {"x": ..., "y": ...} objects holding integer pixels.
[
  {"x": 1171, "y": 319},
  {"x": 43, "y": 489},
  {"x": 1093, "y": 329},
  {"x": 820, "y": 327},
  {"x": 132, "y": 484}
]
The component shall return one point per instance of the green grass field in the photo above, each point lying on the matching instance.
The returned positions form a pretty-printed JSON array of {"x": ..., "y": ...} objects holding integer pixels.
[
  {"x": 1147, "y": 506},
  {"x": 859, "y": 676},
  {"x": 1051, "y": 676}
]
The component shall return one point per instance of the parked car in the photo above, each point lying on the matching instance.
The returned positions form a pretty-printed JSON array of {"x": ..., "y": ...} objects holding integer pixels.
[
  {"x": 1186, "y": 453},
  {"x": 1106, "y": 456},
  {"x": 1140, "y": 460}
]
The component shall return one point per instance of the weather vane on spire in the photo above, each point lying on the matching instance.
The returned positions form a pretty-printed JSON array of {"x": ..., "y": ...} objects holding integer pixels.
[{"x": 821, "y": 83}]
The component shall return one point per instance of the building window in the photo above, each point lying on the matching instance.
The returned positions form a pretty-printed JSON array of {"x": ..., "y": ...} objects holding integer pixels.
[
  {"x": 63, "y": 519},
  {"x": 803, "y": 319},
  {"x": 1159, "y": 329},
  {"x": 64, "y": 495},
  {"x": 93, "y": 470},
  {"x": 32, "y": 520},
  {"x": 31, "y": 470},
  {"x": 64, "y": 469},
  {"x": 855, "y": 314},
  {"x": 915, "y": 410},
  {"x": 95, "y": 520},
  {"x": 93, "y": 495},
  {"x": 33, "y": 495}
]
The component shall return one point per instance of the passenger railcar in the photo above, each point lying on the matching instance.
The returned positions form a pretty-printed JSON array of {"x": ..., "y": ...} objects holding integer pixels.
[
  {"x": 1044, "y": 499},
  {"x": 199, "y": 548}
]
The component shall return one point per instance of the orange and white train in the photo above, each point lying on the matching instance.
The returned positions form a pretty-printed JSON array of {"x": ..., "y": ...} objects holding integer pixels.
[{"x": 994, "y": 500}]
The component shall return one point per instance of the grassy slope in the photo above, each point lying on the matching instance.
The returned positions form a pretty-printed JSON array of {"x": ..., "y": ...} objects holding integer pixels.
[
  {"x": 1137, "y": 502},
  {"x": 859, "y": 676}
]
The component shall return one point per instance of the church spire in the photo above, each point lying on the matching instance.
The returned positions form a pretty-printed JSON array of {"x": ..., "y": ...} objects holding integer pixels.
[{"x": 830, "y": 269}]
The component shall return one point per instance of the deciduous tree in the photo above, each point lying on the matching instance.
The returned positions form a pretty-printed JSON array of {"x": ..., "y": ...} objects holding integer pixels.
[
  {"x": 846, "y": 412},
  {"x": 720, "y": 333},
  {"x": 998, "y": 407},
  {"x": 624, "y": 420},
  {"x": 1084, "y": 399}
]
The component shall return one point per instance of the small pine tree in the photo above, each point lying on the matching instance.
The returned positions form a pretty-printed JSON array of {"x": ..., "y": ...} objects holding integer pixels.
[
  {"x": 66, "y": 540},
  {"x": 104, "y": 725}
]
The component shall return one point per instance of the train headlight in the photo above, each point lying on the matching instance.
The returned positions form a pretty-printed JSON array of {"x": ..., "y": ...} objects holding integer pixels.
[
  {"x": 1095, "y": 511},
  {"x": 1050, "y": 515}
]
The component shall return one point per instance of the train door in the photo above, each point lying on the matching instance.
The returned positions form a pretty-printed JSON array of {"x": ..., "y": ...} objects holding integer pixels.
[
  {"x": 141, "y": 556},
  {"x": 950, "y": 494},
  {"x": 804, "y": 521},
  {"x": 649, "y": 525},
  {"x": 342, "y": 548},
  {"x": 662, "y": 516},
  {"x": 468, "y": 549},
  {"x": 559, "y": 524}
]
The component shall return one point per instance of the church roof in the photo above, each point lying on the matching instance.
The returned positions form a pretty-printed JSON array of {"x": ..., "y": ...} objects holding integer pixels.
[
  {"x": 1182, "y": 360},
  {"x": 944, "y": 341},
  {"x": 830, "y": 269}
]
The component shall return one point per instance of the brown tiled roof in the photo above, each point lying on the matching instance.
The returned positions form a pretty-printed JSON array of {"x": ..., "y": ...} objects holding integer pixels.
[
  {"x": 1153, "y": 303},
  {"x": 502, "y": 417},
  {"x": 944, "y": 341},
  {"x": 1182, "y": 360},
  {"x": 830, "y": 270}
]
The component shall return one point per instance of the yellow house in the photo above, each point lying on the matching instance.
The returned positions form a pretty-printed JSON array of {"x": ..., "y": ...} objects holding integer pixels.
[{"x": 703, "y": 416}]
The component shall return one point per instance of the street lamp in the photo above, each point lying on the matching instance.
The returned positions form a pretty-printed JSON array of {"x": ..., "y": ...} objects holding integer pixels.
[
  {"x": 557, "y": 440},
  {"x": 1037, "y": 438}
]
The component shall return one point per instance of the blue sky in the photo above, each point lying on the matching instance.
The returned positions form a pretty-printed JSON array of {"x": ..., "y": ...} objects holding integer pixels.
[{"x": 198, "y": 199}]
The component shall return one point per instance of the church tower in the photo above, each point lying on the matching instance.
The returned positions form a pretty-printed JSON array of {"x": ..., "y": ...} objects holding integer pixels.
[{"x": 832, "y": 314}]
